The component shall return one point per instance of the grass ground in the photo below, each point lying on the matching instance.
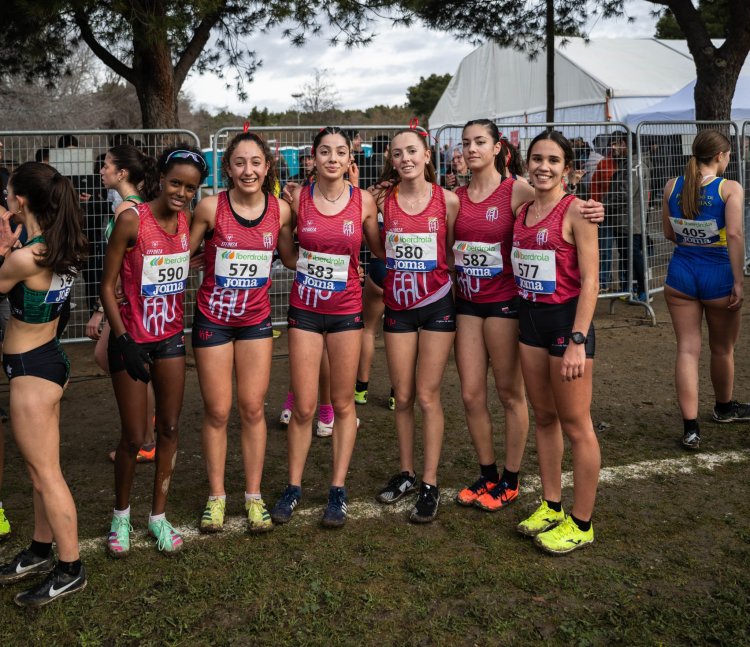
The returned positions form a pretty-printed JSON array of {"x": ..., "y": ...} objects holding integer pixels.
[{"x": 669, "y": 565}]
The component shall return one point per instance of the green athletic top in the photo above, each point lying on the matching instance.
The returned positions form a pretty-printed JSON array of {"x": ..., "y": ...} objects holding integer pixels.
[
  {"x": 135, "y": 199},
  {"x": 39, "y": 306}
]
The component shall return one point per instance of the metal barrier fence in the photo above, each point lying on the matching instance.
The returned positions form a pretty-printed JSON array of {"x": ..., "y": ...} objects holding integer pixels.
[
  {"x": 603, "y": 153},
  {"x": 663, "y": 150},
  {"x": 745, "y": 169},
  {"x": 291, "y": 147},
  {"x": 78, "y": 154}
]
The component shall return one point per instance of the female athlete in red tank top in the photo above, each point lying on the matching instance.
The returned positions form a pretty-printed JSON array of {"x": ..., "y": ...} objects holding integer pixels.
[
  {"x": 418, "y": 218},
  {"x": 325, "y": 313},
  {"x": 149, "y": 251},
  {"x": 232, "y": 334},
  {"x": 556, "y": 256}
]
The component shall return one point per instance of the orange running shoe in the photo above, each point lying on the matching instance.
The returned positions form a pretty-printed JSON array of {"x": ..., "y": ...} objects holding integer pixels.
[
  {"x": 146, "y": 454},
  {"x": 498, "y": 497},
  {"x": 469, "y": 495}
]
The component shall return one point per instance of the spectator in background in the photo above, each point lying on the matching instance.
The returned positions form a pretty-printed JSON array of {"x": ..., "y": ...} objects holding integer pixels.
[
  {"x": 358, "y": 155},
  {"x": 459, "y": 174},
  {"x": 609, "y": 185},
  {"x": 596, "y": 155},
  {"x": 42, "y": 155}
]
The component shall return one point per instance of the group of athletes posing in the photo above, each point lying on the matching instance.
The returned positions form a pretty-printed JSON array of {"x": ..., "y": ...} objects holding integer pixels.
[{"x": 525, "y": 263}]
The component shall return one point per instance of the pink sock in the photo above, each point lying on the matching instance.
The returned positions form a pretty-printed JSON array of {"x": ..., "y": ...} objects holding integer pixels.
[
  {"x": 289, "y": 403},
  {"x": 325, "y": 414}
]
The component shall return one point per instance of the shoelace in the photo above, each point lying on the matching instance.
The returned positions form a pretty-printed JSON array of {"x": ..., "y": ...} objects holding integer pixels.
[
  {"x": 122, "y": 521},
  {"x": 337, "y": 500},
  {"x": 289, "y": 497},
  {"x": 165, "y": 531},
  {"x": 479, "y": 485}
]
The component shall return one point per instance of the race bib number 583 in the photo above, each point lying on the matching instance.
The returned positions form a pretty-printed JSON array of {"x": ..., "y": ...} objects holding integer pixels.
[{"x": 164, "y": 274}]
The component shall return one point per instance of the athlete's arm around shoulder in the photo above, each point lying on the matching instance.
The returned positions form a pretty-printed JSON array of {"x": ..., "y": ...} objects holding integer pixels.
[
  {"x": 578, "y": 230},
  {"x": 11, "y": 272},
  {"x": 124, "y": 235},
  {"x": 370, "y": 227},
  {"x": 204, "y": 219},
  {"x": 666, "y": 224},
  {"x": 285, "y": 244}
]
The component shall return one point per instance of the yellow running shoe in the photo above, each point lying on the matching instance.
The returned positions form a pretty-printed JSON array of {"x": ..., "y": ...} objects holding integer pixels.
[
  {"x": 213, "y": 516},
  {"x": 564, "y": 538},
  {"x": 258, "y": 519},
  {"x": 541, "y": 520},
  {"x": 4, "y": 526}
]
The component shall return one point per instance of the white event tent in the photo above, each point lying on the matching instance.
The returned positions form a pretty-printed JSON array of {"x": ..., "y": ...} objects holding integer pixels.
[{"x": 603, "y": 79}]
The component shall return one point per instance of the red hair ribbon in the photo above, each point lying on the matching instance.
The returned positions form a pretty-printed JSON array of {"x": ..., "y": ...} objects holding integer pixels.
[{"x": 246, "y": 126}]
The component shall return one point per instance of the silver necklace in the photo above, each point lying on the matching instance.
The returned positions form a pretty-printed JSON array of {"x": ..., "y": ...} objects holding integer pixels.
[{"x": 327, "y": 199}]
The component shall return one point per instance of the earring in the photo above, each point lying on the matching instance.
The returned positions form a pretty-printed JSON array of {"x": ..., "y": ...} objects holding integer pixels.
[{"x": 161, "y": 186}]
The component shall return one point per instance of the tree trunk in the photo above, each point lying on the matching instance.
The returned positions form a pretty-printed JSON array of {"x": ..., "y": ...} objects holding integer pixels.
[
  {"x": 550, "y": 37},
  {"x": 714, "y": 89},
  {"x": 154, "y": 76}
]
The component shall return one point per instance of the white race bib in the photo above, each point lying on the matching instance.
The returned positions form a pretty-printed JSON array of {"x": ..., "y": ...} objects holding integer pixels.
[
  {"x": 411, "y": 252},
  {"x": 534, "y": 270},
  {"x": 164, "y": 274},
  {"x": 322, "y": 271},
  {"x": 59, "y": 288},
  {"x": 482, "y": 260},
  {"x": 695, "y": 232},
  {"x": 242, "y": 268}
]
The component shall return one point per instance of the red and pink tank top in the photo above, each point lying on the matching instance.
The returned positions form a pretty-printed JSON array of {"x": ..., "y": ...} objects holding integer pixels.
[
  {"x": 238, "y": 257},
  {"x": 545, "y": 265},
  {"x": 484, "y": 237},
  {"x": 326, "y": 279},
  {"x": 154, "y": 276},
  {"x": 415, "y": 253}
]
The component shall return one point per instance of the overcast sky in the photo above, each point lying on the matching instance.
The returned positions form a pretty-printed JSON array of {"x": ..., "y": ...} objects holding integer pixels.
[{"x": 364, "y": 77}]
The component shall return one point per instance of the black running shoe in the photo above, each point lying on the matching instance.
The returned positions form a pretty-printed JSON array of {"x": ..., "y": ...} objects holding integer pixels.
[
  {"x": 426, "y": 507},
  {"x": 397, "y": 487},
  {"x": 691, "y": 439},
  {"x": 738, "y": 412},
  {"x": 282, "y": 511},
  {"x": 335, "y": 514},
  {"x": 57, "y": 585},
  {"x": 25, "y": 564}
]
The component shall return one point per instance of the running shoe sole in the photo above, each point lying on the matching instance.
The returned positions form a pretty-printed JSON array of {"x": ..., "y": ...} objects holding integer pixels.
[
  {"x": 46, "y": 601},
  {"x": 398, "y": 497}
]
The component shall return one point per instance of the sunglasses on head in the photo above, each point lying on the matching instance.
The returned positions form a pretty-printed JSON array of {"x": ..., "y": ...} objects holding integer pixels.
[{"x": 181, "y": 154}]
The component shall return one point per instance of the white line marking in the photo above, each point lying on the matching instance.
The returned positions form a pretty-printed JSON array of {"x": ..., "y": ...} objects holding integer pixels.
[{"x": 364, "y": 509}]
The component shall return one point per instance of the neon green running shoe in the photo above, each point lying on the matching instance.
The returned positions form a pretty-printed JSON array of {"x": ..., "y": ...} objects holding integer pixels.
[
  {"x": 4, "y": 526},
  {"x": 541, "y": 520},
  {"x": 258, "y": 519},
  {"x": 168, "y": 540},
  {"x": 213, "y": 516},
  {"x": 118, "y": 539},
  {"x": 392, "y": 400},
  {"x": 564, "y": 538},
  {"x": 360, "y": 397}
]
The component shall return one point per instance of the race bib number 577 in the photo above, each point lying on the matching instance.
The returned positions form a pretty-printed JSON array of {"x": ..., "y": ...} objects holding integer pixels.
[{"x": 534, "y": 270}]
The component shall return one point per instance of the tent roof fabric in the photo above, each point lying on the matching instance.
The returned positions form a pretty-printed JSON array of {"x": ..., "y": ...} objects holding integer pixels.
[{"x": 502, "y": 82}]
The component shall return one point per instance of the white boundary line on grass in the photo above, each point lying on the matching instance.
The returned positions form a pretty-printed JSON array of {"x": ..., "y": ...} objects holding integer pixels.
[{"x": 365, "y": 509}]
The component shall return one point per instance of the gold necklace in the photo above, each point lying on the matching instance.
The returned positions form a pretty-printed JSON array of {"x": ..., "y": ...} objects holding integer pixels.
[
  {"x": 412, "y": 204},
  {"x": 327, "y": 199}
]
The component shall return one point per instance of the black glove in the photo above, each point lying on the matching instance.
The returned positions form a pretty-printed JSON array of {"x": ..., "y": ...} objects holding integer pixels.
[{"x": 135, "y": 358}]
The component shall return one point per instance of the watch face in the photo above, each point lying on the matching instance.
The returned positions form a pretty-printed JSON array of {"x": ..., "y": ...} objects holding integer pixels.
[{"x": 578, "y": 338}]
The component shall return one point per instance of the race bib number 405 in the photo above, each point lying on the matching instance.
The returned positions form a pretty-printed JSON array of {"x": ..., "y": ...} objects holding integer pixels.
[
  {"x": 242, "y": 268},
  {"x": 164, "y": 274},
  {"x": 411, "y": 252},
  {"x": 482, "y": 260},
  {"x": 695, "y": 232},
  {"x": 59, "y": 288},
  {"x": 322, "y": 271},
  {"x": 534, "y": 270}
]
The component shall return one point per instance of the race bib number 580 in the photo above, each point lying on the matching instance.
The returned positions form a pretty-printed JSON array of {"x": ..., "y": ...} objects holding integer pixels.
[
  {"x": 411, "y": 252},
  {"x": 164, "y": 274}
]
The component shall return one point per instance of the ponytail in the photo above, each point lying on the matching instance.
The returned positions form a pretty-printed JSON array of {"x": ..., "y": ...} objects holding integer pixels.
[
  {"x": 706, "y": 145},
  {"x": 53, "y": 201}
]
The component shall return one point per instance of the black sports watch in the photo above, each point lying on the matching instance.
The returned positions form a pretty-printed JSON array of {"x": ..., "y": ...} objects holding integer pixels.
[{"x": 578, "y": 338}]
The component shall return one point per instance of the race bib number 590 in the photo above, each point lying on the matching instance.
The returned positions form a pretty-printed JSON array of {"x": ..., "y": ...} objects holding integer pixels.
[
  {"x": 164, "y": 274},
  {"x": 534, "y": 270}
]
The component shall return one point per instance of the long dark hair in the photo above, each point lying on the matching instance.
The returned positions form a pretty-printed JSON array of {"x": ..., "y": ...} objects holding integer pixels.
[
  {"x": 53, "y": 201},
  {"x": 269, "y": 183},
  {"x": 559, "y": 139},
  {"x": 142, "y": 171},
  {"x": 706, "y": 145},
  {"x": 390, "y": 174}
]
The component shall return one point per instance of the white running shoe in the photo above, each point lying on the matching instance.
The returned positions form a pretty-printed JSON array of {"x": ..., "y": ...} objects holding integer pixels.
[
  {"x": 284, "y": 418},
  {"x": 324, "y": 431}
]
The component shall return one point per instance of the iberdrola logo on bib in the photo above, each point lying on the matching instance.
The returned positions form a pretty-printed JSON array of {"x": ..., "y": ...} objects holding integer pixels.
[
  {"x": 461, "y": 247},
  {"x": 227, "y": 255},
  {"x": 158, "y": 260}
]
